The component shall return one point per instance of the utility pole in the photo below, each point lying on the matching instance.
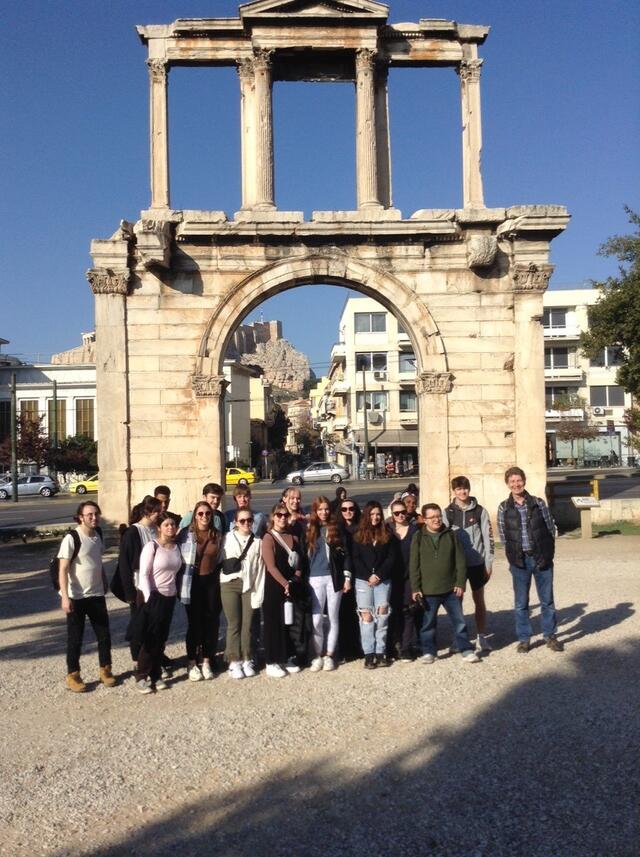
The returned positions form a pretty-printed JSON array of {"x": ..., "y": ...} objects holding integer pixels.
[
  {"x": 366, "y": 426},
  {"x": 14, "y": 440},
  {"x": 53, "y": 430}
]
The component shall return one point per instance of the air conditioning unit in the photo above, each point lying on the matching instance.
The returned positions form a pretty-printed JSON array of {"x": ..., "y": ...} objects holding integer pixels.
[
  {"x": 375, "y": 417},
  {"x": 380, "y": 376},
  {"x": 598, "y": 412}
]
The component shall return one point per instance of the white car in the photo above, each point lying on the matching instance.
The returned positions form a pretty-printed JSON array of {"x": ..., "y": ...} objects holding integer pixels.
[{"x": 318, "y": 471}]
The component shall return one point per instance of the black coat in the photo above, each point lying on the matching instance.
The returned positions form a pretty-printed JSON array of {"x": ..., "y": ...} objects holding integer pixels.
[
  {"x": 379, "y": 559},
  {"x": 542, "y": 542}
]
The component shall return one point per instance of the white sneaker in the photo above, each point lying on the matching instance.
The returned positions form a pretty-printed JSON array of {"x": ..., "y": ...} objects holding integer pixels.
[
  {"x": 329, "y": 663},
  {"x": 235, "y": 670},
  {"x": 144, "y": 686},
  {"x": 481, "y": 644},
  {"x": 207, "y": 672},
  {"x": 161, "y": 684},
  {"x": 276, "y": 671},
  {"x": 194, "y": 673},
  {"x": 316, "y": 665},
  {"x": 454, "y": 650},
  {"x": 428, "y": 659},
  {"x": 470, "y": 657},
  {"x": 291, "y": 666},
  {"x": 248, "y": 669}
]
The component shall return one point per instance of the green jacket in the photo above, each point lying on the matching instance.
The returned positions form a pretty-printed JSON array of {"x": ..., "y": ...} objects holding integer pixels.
[{"x": 435, "y": 570}]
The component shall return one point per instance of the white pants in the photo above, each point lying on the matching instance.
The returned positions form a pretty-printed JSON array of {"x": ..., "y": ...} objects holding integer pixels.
[{"x": 323, "y": 593}]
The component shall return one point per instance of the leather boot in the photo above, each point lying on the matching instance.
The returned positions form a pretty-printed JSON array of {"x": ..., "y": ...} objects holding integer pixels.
[
  {"x": 75, "y": 683},
  {"x": 107, "y": 677}
]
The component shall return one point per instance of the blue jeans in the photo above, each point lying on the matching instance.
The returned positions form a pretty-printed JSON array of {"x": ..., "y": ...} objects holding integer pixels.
[
  {"x": 453, "y": 605},
  {"x": 373, "y": 635},
  {"x": 544, "y": 587}
]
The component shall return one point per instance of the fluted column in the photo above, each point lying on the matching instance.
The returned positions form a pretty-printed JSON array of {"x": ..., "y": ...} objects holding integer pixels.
[
  {"x": 159, "y": 133},
  {"x": 383, "y": 142},
  {"x": 246, "y": 77},
  {"x": 366, "y": 157},
  {"x": 263, "y": 130},
  {"x": 473, "y": 195}
]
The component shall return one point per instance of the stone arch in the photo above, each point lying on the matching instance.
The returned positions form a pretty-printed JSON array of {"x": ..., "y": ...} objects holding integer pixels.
[{"x": 433, "y": 381}]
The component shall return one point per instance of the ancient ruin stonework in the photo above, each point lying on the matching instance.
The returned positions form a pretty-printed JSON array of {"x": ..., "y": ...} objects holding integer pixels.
[{"x": 466, "y": 284}]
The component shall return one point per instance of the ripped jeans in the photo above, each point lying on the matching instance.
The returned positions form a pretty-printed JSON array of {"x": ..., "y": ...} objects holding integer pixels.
[{"x": 373, "y": 599}]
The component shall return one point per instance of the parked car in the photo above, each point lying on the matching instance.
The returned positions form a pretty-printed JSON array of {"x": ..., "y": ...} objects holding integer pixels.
[
  {"x": 239, "y": 476},
  {"x": 91, "y": 483},
  {"x": 30, "y": 485},
  {"x": 318, "y": 471}
]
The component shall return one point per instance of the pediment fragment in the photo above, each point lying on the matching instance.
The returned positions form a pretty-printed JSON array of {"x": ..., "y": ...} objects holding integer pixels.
[{"x": 314, "y": 9}]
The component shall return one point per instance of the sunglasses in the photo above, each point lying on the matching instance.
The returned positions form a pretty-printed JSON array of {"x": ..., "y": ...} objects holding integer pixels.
[
  {"x": 399, "y": 513},
  {"x": 245, "y": 520},
  {"x": 203, "y": 514},
  {"x": 280, "y": 515},
  {"x": 347, "y": 508}
]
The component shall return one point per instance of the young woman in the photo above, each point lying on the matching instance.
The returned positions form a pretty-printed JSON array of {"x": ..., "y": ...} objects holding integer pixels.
[
  {"x": 348, "y": 517},
  {"x": 341, "y": 494},
  {"x": 160, "y": 562},
  {"x": 282, "y": 561},
  {"x": 329, "y": 577},
  {"x": 200, "y": 545},
  {"x": 242, "y": 591},
  {"x": 406, "y": 615},
  {"x": 373, "y": 557}
]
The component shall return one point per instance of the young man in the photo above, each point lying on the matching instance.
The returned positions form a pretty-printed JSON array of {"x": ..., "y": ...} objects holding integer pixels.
[
  {"x": 438, "y": 574},
  {"x": 83, "y": 585},
  {"x": 527, "y": 532},
  {"x": 212, "y": 493},
  {"x": 242, "y": 500},
  {"x": 163, "y": 493},
  {"x": 472, "y": 523}
]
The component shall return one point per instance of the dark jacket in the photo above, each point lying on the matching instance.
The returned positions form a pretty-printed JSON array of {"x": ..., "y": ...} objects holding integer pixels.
[
  {"x": 404, "y": 550},
  {"x": 541, "y": 540},
  {"x": 378, "y": 559},
  {"x": 436, "y": 568},
  {"x": 129, "y": 561}
]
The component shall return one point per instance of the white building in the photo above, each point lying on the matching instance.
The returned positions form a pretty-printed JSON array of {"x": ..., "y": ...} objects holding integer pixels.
[{"x": 568, "y": 375}]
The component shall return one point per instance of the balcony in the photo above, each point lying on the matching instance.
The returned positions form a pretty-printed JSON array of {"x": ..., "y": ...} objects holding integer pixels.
[
  {"x": 564, "y": 373},
  {"x": 340, "y": 423},
  {"x": 339, "y": 352},
  {"x": 408, "y": 418},
  {"x": 569, "y": 331},
  {"x": 340, "y": 388},
  {"x": 570, "y": 414}
]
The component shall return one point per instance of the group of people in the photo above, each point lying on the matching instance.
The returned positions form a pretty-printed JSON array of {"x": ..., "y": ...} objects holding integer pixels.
[{"x": 304, "y": 589}]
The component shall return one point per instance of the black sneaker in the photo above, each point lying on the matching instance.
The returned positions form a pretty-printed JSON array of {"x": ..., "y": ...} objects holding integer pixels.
[
  {"x": 523, "y": 647},
  {"x": 384, "y": 660},
  {"x": 370, "y": 662},
  {"x": 406, "y": 656},
  {"x": 554, "y": 644}
]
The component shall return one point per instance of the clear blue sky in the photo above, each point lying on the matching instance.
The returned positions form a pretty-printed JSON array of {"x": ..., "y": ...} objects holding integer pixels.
[{"x": 560, "y": 96}]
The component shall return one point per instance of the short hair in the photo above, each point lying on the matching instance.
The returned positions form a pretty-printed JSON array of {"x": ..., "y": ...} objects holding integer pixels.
[
  {"x": 514, "y": 471},
  {"x": 165, "y": 516},
  {"x": 162, "y": 489},
  {"x": 460, "y": 482},
  {"x": 213, "y": 488},
  {"x": 242, "y": 490},
  {"x": 83, "y": 506},
  {"x": 427, "y": 506}
]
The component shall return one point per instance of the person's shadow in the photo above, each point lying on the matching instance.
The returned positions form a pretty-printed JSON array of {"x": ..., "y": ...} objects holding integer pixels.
[{"x": 595, "y": 621}]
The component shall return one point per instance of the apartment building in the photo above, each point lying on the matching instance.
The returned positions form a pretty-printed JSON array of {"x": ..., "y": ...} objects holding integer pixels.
[{"x": 589, "y": 385}]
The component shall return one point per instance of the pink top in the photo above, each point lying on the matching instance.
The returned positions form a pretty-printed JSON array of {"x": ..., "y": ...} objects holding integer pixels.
[{"x": 158, "y": 572}]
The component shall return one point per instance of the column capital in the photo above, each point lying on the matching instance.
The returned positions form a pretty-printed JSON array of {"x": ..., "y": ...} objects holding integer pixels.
[
  {"x": 469, "y": 70},
  {"x": 529, "y": 277},
  {"x": 209, "y": 386},
  {"x": 365, "y": 59},
  {"x": 245, "y": 68},
  {"x": 158, "y": 70},
  {"x": 434, "y": 382},
  {"x": 105, "y": 281},
  {"x": 262, "y": 59}
]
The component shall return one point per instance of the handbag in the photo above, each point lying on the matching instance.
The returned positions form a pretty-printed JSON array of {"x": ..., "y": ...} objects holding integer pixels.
[{"x": 233, "y": 564}]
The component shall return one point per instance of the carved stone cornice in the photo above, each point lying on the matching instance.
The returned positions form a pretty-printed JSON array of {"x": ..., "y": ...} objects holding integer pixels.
[
  {"x": 153, "y": 242},
  {"x": 434, "y": 382},
  {"x": 209, "y": 386},
  {"x": 158, "y": 70},
  {"x": 481, "y": 251},
  {"x": 531, "y": 277},
  {"x": 105, "y": 281},
  {"x": 365, "y": 60},
  {"x": 469, "y": 70}
]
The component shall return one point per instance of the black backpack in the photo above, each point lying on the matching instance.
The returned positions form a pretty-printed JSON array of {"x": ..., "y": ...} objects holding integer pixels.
[{"x": 54, "y": 562}]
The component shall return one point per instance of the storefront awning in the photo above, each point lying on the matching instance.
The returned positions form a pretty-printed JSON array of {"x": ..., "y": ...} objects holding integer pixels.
[{"x": 391, "y": 437}]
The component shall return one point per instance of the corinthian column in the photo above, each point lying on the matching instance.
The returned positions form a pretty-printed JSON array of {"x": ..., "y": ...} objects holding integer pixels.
[
  {"x": 210, "y": 391},
  {"x": 263, "y": 130},
  {"x": 383, "y": 143},
  {"x": 366, "y": 157},
  {"x": 469, "y": 71},
  {"x": 159, "y": 133},
  {"x": 246, "y": 76}
]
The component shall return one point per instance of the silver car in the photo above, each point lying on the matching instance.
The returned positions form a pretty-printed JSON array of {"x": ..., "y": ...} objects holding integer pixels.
[
  {"x": 30, "y": 485},
  {"x": 318, "y": 471}
]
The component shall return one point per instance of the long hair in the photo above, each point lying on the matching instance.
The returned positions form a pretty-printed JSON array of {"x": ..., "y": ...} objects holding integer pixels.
[
  {"x": 279, "y": 507},
  {"x": 313, "y": 527},
  {"x": 367, "y": 533},
  {"x": 147, "y": 506},
  {"x": 193, "y": 526}
]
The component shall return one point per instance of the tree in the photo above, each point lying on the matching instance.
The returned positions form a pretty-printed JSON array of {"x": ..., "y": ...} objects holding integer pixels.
[
  {"x": 78, "y": 453},
  {"x": 277, "y": 432},
  {"x": 615, "y": 318},
  {"x": 632, "y": 422},
  {"x": 33, "y": 445},
  {"x": 572, "y": 428}
]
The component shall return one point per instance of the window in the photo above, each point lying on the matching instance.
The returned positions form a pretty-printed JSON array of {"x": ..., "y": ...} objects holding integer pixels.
[
  {"x": 407, "y": 362},
  {"x": 556, "y": 358},
  {"x": 5, "y": 419},
  {"x": 553, "y": 318},
  {"x": 552, "y": 394},
  {"x": 376, "y": 400},
  {"x": 84, "y": 417},
  {"x": 602, "y": 397},
  {"x": 611, "y": 356},
  {"x": 408, "y": 400},
  {"x": 29, "y": 409},
  {"x": 370, "y": 322},
  {"x": 61, "y": 418},
  {"x": 371, "y": 360},
  {"x": 401, "y": 330}
]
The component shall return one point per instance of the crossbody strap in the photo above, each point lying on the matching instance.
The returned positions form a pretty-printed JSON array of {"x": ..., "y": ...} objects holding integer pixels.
[
  {"x": 281, "y": 542},
  {"x": 245, "y": 550}
]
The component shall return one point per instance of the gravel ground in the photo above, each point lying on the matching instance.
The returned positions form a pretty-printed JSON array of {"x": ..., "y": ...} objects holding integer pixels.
[{"x": 533, "y": 755}]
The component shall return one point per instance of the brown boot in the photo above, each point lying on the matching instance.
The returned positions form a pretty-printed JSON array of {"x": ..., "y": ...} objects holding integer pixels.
[
  {"x": 75, "y": 683},
  {"x": 107, "y": 677}
]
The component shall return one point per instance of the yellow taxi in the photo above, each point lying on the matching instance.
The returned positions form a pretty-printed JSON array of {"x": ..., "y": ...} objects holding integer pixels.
[
  {"x": 92, "y": 483},
  {"x": 238, "y": 476}
]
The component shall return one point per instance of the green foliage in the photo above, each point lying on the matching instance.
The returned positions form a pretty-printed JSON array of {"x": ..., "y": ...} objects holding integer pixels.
[
  {"x": 277, "y": 433},
  {"x": 632, "y": 422},
  {"x": 78, "y": 453},
  {"x": 33, "y": 444},
  {"x": 615, "y": 318}
]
